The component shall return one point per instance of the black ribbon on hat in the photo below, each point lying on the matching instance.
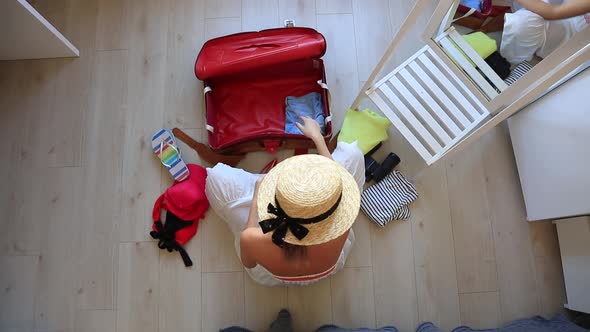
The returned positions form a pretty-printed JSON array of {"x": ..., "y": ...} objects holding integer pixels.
[{"x": 283, "y": 221}]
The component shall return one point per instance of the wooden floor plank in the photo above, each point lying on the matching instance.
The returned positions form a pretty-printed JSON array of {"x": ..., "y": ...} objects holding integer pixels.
[
  {"x": 104, "y": 132},
  {"x": 64, "y": 121},
  {"x": 76, "y": 20},
  {"x": 340, "y": 63},
  {"x": 302, "y": 11},
  {"x": 480, "y": 310},
  {"x": 550, "y": 285},
  {"x": 111, "y": 26},
  {"x": 371, "y": 22},
  {"x": 219, "y": 253},
  {"x": 81, "y": 24},
  {"x": 223, "y": 8},
  {"x": 18, "y": 282},
  {"x": 472, "y": 229},
  {"x": 514, "y": 256},
  {"x": 180, "y": 294},
  {"x": 434, "y": 257},
  {"x": 310, "y": 306},
  {"x": 262, "y": 304},
  {"x": 217, "y": 27},
  {"x": 59, "y": 288},
  {"x": 360, "y": 255},
  {"x": 12, "y": 120},
  {"x": 548, "y": 268},
  {"x": 334, "y": 6},
  {"x": 353, "y": 303},
  {"x": 138, "y": 287},
  {"x": 29, "y": 93},
  {"x": 544, "y": 239},
  {"x": 146, "y": 91},
  {"x": 186, "y": 35},
  {"x": 260, "y": 14},
  {"x": 223, "y": 300},
  {"x": 412, "y": 42},
  {"x": 96, "y": 320},
  {"x": 396, "y": 301}
]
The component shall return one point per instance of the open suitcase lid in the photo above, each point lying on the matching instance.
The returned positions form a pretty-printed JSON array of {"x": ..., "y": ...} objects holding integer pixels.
[{"x": 249, "y": 50}]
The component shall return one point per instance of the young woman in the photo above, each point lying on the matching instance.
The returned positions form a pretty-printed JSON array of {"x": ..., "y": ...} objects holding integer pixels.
[
  {"x": 540, "y": 28},
  {"x": 293, "y": 225}
]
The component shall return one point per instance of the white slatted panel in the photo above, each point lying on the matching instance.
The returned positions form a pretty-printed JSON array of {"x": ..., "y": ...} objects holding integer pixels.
[
  {"x": 436, "y": 92},
  {"x": 460, "y": 84},
  {"x": 390, "y": 114},
  {"x": 427, "y": 99},
  {"x": 447, "y": 85},
  {"x": 409, "y": 117},
  {"x": 409, "y": 61},
  {"x": 422, "y": 112},
  {"x": 428, "y": 104},
  {"x": 478, "y": 60},
  {"x": 458, "y": 57}
]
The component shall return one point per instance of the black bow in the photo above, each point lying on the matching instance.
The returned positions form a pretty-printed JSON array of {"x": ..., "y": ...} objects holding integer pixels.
[
  {"x": 165, "y": 233},
  {"x": 283, "y": 221}
]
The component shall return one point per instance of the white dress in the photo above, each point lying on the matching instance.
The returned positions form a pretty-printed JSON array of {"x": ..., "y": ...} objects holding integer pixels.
[
  {"x": 230, "y": 192},
  {"x": 526, "y": 34}
]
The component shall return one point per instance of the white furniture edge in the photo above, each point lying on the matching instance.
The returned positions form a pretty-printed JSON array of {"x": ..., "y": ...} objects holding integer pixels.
[{"x": 32, "y": 11}]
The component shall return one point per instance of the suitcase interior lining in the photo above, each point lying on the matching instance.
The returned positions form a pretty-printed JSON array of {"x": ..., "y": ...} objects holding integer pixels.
[{"x": 251, "y": 105}]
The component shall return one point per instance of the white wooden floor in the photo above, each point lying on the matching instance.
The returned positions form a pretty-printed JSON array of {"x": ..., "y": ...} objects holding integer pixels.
[{"x": 79, "y": 182}]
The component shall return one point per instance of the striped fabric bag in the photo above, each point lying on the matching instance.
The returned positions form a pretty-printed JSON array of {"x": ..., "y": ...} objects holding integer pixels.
[
  {"x": 388, "y": 199},
  {"x": 518, "y": 72}
]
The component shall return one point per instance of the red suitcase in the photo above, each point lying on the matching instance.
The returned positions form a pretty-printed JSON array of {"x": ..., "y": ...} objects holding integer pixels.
[{"x": 247, "y": 77}]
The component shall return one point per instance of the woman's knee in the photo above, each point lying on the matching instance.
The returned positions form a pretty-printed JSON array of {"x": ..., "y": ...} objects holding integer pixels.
[
  {"x": 523, "y": 36},
  {"x": 229, "y": 187},
  {"x": 351, "y": 157}
]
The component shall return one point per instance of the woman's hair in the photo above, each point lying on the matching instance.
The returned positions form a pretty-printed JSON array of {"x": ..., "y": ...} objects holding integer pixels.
[{"x": 294, "y": 251}]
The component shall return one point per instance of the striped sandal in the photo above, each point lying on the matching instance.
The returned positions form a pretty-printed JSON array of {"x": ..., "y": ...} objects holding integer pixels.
[{"x": 165, "y": 147}]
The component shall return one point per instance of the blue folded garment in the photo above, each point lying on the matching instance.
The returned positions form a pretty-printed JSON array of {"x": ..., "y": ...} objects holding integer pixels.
[
  {"x": 475, "y": 4},
  {"x": 309, "y": 105}
]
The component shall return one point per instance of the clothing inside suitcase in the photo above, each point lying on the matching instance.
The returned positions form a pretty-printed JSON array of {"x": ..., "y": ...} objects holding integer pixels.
[
  {"x": 263, "y": 99},
  {"x": 246, "y": 105}
]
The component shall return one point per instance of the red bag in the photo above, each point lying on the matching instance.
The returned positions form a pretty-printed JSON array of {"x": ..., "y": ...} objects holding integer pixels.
[
  {"x": 486, "y": 9},
  {"x": 247, "y": 77},
  {"x": 185, "y": 203}
]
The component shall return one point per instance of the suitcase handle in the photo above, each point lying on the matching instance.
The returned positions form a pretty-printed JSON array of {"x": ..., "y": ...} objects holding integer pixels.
[
  {"x": 271, "y": 145},
  {"x": 258, "y": 46}
]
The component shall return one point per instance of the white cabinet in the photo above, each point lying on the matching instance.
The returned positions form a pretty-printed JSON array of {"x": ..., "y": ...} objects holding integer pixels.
[
  {"x": 574, "y": 243},
  {"x": 550, "y": 140}
]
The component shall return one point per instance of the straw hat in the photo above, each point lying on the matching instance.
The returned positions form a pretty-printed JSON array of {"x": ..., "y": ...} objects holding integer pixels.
[{"x": 307, "y": 200}]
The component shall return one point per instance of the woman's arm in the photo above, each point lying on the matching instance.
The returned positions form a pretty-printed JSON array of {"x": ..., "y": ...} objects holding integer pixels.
[
  {"x": 253, "y": 214},
  {"x": 550, "y": 12},
  {"x": 311, "y": 129},
  {"x": 249, "y": 234},
  {"x": 248, "y": 240}
]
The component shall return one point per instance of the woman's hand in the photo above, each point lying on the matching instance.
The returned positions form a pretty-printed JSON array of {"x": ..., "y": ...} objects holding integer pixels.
[{"x": 310, "y": 128}]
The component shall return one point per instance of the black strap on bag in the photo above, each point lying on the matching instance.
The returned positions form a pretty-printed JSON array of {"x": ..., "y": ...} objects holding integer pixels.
[{"x": 165, "y": 233}]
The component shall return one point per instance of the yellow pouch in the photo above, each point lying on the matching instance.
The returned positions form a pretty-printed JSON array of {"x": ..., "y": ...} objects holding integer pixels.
[{"x": 366, "y": 127}]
